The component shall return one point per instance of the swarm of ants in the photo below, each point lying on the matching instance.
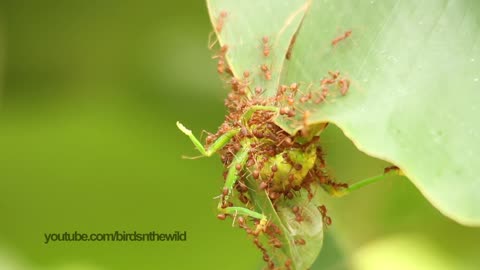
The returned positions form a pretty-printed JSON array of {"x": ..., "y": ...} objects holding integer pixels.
[{"x": 254, "y": 149}]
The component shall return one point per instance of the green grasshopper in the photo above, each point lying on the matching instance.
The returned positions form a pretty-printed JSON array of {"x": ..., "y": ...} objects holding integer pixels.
[
  {"x": 256, "y": 151},
  {"x": 284, "y": 170}
]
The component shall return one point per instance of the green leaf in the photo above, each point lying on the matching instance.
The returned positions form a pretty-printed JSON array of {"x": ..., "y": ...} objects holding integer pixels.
[
  {"x": 310, "y": 230},
  {"x": 414, "y": 72},
  {"x": 415, "y": 93},
  {"x": 245, "y": 25},
  {"x": 414, "y": 68}
]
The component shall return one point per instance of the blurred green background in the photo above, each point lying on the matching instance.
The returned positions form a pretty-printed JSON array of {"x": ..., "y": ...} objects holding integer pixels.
[{"x": 89, "y": 95}]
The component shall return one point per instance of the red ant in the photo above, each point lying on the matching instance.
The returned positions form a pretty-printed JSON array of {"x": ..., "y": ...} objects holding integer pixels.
[
  {"x": 275, "y": 242},
  {"x": 266, "y": 46},
  {"x": 274, "y": 168},
  {"x": 334, "y": 74},
  {"x": 322, "y": 209},
  {"x": 300, "y": 242},
  {"x": 306, "y": 97},
  {"x": 332, "y": 80},
  {"x": 288, "y": 263},
  {"x": 294, "y": 87},
  {"x": 221, "y": 21},
  {"x": 342, "y": 37},
  {"x": 391, "y": 168},
  {"x": 290, "y": 101},
  {"x": 298, "y": 215},
  {"x": 256, "y": 174},
  {"x": 221, "y": 65},
  {"x": 344, "y": 86},
  {"x": 266, "y": 72},
  {"x": 258, "y": 90},
  {"x": 263, "y": 186},
  {"x": 326, "y": 219},
  {"x": 327, "y": 81},
  {"x": 238, "y": 85},
  {"x": 322, "y": 95},
  {"x": 241, "y": 222},
  {"x": 273, "y": 195}
]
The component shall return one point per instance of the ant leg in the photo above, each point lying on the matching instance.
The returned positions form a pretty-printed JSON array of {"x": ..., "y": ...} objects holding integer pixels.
[{"x": 215, "y": 146}]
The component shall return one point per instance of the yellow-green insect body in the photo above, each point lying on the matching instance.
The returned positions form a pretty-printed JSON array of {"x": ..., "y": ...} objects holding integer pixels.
[{"x": 292, "y": 166}]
